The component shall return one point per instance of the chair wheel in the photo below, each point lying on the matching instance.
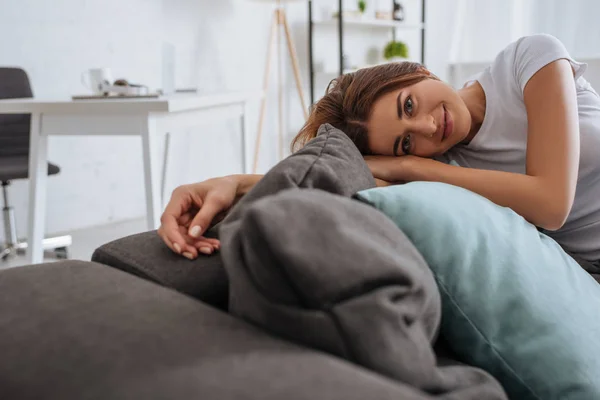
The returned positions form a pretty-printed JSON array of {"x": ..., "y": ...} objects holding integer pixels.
[
  {"x": 5, "y": 254},
  {"x": 61, "y": 253}
]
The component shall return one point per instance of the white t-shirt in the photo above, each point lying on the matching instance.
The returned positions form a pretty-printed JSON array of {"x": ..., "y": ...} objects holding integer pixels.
[{"x": 501, "y": 142}]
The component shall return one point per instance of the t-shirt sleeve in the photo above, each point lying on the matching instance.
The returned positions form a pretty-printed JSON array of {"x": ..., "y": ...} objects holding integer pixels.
[{"x": 534, "y": 52}]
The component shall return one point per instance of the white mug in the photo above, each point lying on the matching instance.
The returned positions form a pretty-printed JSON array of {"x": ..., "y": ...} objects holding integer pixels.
[{"x": 96, "y": 78}]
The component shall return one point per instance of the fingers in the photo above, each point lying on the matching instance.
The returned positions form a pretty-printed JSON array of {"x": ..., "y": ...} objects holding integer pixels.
[
  {"x": 194, "y": 247},
  {"x": 214, "y": 242},
  {"x": 185, "y": 245},
  {"x": 179, "y": 204},
  {"x": 203, "y": 245},
  {"x": 204, "y": 218},
  {"x": 167, "y": 241},
  {"x": 175, "y": 247},
  {"x": 208, "y": 246},
  {"x": 171, "y": 234},
  {"x": 189, "y": 250},
  {"x": 186, "y": 219}
]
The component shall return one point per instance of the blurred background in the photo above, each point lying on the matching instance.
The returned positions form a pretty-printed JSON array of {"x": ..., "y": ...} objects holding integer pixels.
[{"x": 220, "y": 46}]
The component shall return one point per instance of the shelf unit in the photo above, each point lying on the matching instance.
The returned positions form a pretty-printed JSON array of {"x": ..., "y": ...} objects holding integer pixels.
[
  {"x": 342, "y": 22},
  {"x": 370, "y": 22}
]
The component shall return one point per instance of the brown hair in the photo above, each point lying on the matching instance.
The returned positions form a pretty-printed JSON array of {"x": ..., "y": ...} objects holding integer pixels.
[{"x": 349, "y": 99}]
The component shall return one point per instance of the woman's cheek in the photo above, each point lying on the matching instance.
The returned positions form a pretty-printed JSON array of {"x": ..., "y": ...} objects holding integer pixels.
[{"x": 425, "y": 149}]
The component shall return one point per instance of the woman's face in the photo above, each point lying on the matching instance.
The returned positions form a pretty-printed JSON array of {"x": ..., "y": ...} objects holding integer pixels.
[{"x": 425, "y": 119}]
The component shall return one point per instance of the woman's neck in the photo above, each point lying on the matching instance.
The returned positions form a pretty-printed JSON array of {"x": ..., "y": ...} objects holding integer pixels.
[{"x": 474, "y": 98}]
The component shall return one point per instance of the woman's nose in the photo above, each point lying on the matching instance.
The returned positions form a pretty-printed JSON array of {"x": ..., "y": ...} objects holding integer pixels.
[{"x": 425, "y": 126}]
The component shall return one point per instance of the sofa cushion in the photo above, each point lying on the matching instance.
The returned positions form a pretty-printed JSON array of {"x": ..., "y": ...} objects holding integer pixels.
[
  {"x": 329, "y": 162},
  {"x": 337, "y": 275},
  {"x": 75, "y": 330},
  {"x": 514, "y": 303},
  {"x": 146, "y": 256}
]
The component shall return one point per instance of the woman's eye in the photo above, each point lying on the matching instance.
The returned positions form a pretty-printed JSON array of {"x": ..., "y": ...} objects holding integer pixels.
[
  {"x": 406, "y": 144},
  {"x": 408, "y": 105}
]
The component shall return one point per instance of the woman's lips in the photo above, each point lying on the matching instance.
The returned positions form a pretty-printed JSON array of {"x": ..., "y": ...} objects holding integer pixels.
[{"x": 448, "y": 124}]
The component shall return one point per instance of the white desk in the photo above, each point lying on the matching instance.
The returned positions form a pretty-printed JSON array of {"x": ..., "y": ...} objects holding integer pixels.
[{"x": 149, "y": 118}]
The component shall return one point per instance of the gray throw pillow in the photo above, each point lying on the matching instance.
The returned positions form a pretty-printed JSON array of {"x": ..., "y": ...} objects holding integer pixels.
[
  {"x": 329, "y": 162},
  {"x": 338, "y": 275}
]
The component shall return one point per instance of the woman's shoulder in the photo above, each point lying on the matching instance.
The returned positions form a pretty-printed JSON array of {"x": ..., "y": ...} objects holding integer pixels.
[
  {"x": 528, "y": 54},
  {"x": 539, "y": 41},
  {"x": 527, "y": 48},
  {"x": 541, "y": 45}
]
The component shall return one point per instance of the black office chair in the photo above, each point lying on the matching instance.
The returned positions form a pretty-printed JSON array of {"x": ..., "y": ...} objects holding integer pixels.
[{"x": 14, "y": 163}]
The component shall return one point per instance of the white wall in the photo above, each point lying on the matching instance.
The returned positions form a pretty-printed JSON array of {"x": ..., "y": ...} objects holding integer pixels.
[
  {"x": 575, "y": 23},
  {"x": 55, "y": 42},
  {"x": 220, "y": 46},
  {"x": 490, "y": 25}
]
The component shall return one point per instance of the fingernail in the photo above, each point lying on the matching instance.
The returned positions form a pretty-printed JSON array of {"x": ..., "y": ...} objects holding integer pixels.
[
  {"x": 177, "y": 247},
  {"x": 206, "y": 250},
  {"x": 188, "y": 255},
  {"x": 195, "y": 231}
]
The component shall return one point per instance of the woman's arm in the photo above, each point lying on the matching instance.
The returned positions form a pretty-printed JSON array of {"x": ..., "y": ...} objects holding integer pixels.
[
  {"x": 545, "y": 194},
  {"x": 245, "y": 182}
]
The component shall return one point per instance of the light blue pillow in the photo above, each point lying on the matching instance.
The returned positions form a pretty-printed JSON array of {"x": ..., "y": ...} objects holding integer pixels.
[{"x": 514, "y": 303}]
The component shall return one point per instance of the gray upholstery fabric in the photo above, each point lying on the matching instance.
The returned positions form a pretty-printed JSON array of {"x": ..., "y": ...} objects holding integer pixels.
[
  {"x": 146, "y": 256},
  {"x": 590, "y": 267},
  {"x": 75, "y": 330},
  {"x": 337, "y": 275},
  {"x": 329, "y": 162}
]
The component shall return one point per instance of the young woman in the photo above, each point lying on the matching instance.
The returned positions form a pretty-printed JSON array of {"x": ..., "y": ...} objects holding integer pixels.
[{"x": 525, "y": 133}]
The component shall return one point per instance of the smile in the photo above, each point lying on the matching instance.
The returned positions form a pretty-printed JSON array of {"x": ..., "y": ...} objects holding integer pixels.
[{"x": 448, "y": 124}]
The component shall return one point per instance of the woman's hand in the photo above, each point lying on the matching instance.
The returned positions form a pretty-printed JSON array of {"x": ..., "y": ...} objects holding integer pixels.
[
  {"x": 382, "y": 183},
  {"x": 393, "y": 169},
  {"x": 191, "y": 211}
]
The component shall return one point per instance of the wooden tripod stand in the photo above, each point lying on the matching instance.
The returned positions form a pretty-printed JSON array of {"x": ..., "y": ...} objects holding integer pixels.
[{"x": 279, "y": 23}]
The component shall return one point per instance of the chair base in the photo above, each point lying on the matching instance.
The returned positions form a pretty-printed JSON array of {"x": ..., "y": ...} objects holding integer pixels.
[{"x": 55, "y": 247}]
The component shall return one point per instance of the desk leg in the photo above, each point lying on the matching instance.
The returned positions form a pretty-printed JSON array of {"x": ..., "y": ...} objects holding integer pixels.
[
  {"x": 152, "y": 176},
  {"x": 38, "y": 175},
  {"x": 244, "y": 127}
]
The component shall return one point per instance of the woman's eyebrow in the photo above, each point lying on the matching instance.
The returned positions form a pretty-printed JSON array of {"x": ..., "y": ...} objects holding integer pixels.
[
  {"x": 399, "y": 105},
  {"x": 396, "y": 144}
]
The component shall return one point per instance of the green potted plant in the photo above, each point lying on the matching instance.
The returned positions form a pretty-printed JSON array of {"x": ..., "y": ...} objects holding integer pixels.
[
  {"x": 362, "y": 6},
  {"x": 395, "y": 51}
]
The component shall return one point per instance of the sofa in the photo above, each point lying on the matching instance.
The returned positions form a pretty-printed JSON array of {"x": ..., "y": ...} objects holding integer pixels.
[
  {"x": 139, "y": 322},
  {"x": 89, "y": 330}
]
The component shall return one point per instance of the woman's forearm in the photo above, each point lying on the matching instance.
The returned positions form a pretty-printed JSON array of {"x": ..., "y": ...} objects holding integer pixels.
[
  {"x": 530, "y": 196},
  {"x": 245, "y": 182}
]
